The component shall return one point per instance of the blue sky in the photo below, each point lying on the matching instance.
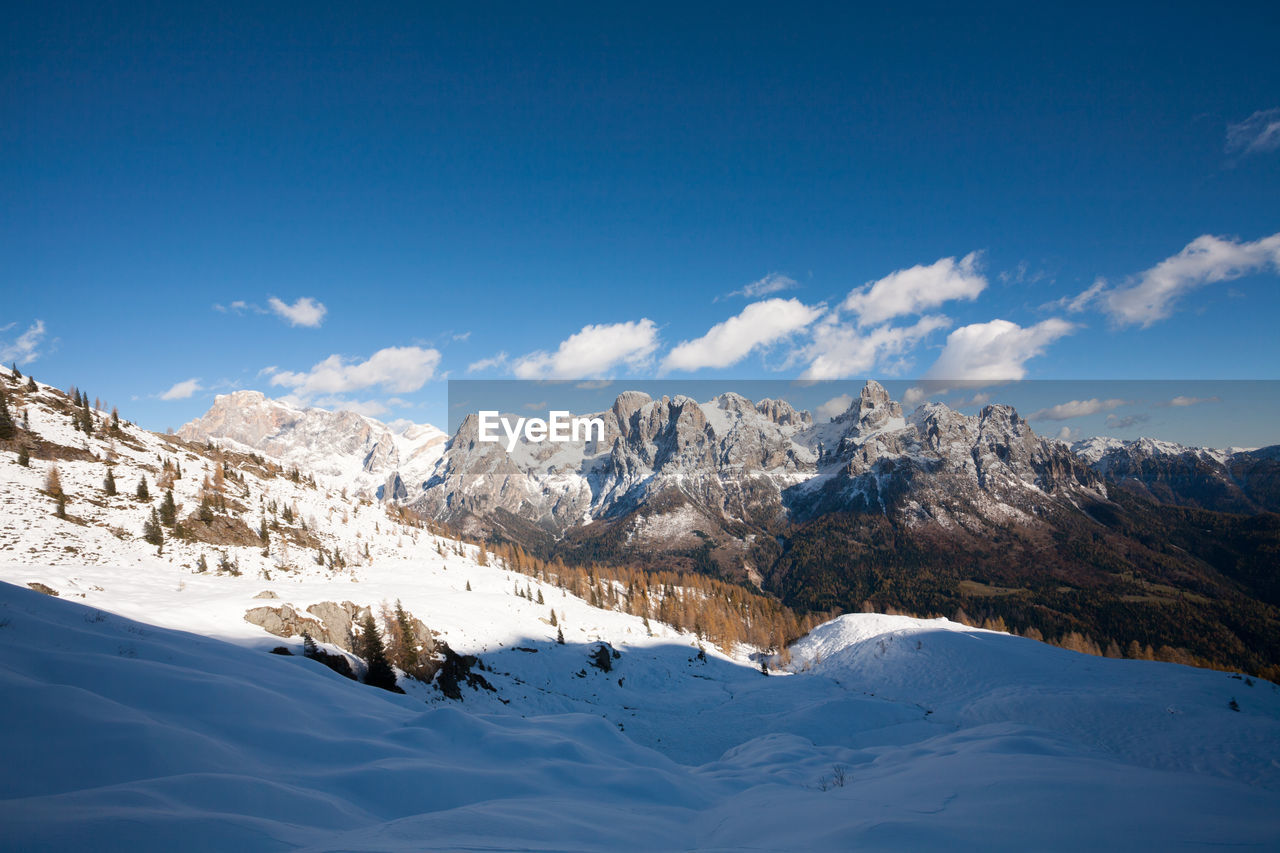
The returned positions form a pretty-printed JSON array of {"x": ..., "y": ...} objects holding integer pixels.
[{"x": 349, "y": 206}]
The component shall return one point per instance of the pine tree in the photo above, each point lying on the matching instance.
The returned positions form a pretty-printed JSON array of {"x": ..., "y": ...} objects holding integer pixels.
[
  {"x": 540, "y": 598},
  {"x": 24, "y": 458},
  {"x": 31, "y": 384},
  {"x": 309, "y": 648},
  {"x": 560, "y": 636},
  {"x": 370, "y": 648},
  {"x": 554, "y": 621},
  {"x": 7, "y": 429},
  {"x": 109, "y": 484},
  {"x": 151, "y": 530},
  {"x": 17, "y": 374},
  {"x": 409, "y": 657},
  {"x": 168, "y": 509},
  {"x": 262, "y": 531},
  {"x": 468, "y": 586},
  {"x": 202, "y": 565},
  {"x": 144, "y": 494}
]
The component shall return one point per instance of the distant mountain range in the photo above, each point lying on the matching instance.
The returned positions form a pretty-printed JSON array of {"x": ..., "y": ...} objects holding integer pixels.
[
  {"x": 931, "y": 511},
  {"x": 669, "y": 467}
]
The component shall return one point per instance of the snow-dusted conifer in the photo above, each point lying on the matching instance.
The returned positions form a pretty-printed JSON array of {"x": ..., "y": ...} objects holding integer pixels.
[{"x": 370, "y": 648}]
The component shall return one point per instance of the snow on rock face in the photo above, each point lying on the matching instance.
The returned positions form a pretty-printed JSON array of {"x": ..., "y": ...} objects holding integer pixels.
[
  {"x": 1227, "y": 481},
  {"x": 738, "y": 462},
  {"x": 939, "y": 464},
  {"x": 760, "y": 463},
  {"x": 872, "y": 411},
  {"x": 345, "y": 447}
]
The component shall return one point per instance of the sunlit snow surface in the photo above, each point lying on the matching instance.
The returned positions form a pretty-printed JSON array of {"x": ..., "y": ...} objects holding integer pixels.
[
  {"x": 119, "y": 735},
  {"x": 132, "y": 735}
]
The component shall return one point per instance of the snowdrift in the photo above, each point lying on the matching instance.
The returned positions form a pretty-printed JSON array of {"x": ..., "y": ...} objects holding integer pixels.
[{"x": 120, "y": 735}]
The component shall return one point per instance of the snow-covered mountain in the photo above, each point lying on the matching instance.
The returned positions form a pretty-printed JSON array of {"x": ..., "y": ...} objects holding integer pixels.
[
  {"x": 673, "y": 466},
  {"x": 145, "y": 710},
  {"x": 730, "y": 456},
  {"x": 344, "y": 447},
  {"x": 673, "y": 473},
  {"x": 1231, "y": 480}
]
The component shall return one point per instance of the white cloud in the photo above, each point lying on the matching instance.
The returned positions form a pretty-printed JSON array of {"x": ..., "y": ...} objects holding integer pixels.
[
  {"x": 1067, "y": 434},
  {"x": 239, "y": 307},
  {"x": 182, "y": 390},
  {"x": 496, "y": 361},
  {"x": 1258, "y": 133},
  {"x": 971, "y": 402},
  {"x": 772, "y": 283},
  {"x": 1181, "y": 401},
  {"x": 835, "y": 406},
  {"x": 1022, "y": 274},
  {"x": 26, "y": 347},
  {"x": 304, "y": 312},
  {"x": 914, "y": 396},
  {"x": 397, "y": 369},
  {"x": 592, "y": 351},
  {"x": 1082, "y": 300},
  {"x": 996, "y": 350},
  {"x": 1207, "y": 259},
  {"x": 759, "y": 324},
  {"x": 1076, "y": 409},
  {"x": 839, "y": 350},
  {"x": 1128, "y": 421},
  {"x": 917, "y": 289}
]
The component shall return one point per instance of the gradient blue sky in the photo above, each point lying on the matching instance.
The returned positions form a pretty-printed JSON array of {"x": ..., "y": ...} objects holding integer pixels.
[{"x": 556, "y": 190}]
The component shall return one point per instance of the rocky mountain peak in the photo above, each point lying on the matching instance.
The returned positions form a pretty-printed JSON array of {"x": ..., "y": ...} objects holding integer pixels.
[
  {"x": 873, "y": 410},
  {"x": 625, "y": 407},
  {"x": 783, "y": 413},
  {"x": 348, "y": 448}
]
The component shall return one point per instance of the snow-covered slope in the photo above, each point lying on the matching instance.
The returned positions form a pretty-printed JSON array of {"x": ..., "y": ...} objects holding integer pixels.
[{"x": 136, "y": 737}]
